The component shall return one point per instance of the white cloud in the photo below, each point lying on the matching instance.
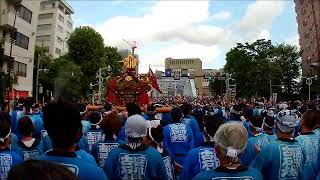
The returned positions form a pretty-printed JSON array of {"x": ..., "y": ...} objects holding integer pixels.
[
  {"x": 259, "y": 17},
  {"x": 264, "y": 34},
  {"x": 223, "y": 15},
  {"x": 293, "y": 41}
]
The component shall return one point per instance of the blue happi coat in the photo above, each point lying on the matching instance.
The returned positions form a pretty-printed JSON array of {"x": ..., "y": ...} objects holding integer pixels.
[
  {"x": 250, "y": 152},
  {"x": 310, "y": 147},
  {"x": 142, "y": 163},
  {"x": 281, "y": 159},
  {"x": 192, "y": 122},
  {"x": 32, "y": 152},
  {"x": 178, "y": 139},
  {"x": 101, "y": 149},
  {"x": 198, "y": 160},
  {"x": 91, "y": 137},
  {"x": 8, "y": 159},
  {"x": 222, "y": 173},
  {"x": 80, "y": 167}
]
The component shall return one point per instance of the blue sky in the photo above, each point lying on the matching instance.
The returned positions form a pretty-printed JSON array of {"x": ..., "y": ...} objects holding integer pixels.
[{"x": 187, "y": 29}]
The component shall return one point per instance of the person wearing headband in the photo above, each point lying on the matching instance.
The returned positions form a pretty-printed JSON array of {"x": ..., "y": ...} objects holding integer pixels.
[
  {"x": 178, "y": 137},
  {"x": 62, "y": 121},
  {"x": 28, "y": 147},
  {"x": 94, "y": 134},
  {"x": 8, "y": 158},
  {"x": 155, "y": 139},
  {"x": 256, "y": 141},
  {"x": 204, "y": 157},
  {"x": 310, "y": 145},
  {"x": 135, "y": 160},
  {"x": 110, "y": 127},
  {"x": 283, "y": 158},
  {"x": 268, "y": 126},
  {"x": 230, "y": 141},
  {"x": 191, "y": 121}
]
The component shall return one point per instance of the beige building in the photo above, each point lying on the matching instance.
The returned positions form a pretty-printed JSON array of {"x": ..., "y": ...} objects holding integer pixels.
[
  {"x": 54, "y": 26},
  {"x": 24, "y": 36},
  {"x": 191, "y": 67},
  {"x": 308, "y": 18}
]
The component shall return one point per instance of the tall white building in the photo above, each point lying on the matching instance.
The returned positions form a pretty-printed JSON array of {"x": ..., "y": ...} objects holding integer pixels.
[
  {"x": 54, "y": 26},
  {"x": 23, "y": 34}
]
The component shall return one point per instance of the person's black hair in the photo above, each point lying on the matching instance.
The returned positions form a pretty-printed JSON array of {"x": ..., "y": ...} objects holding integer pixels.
[
  {"x": 4, "y": 125},
  {"x": 110, "y": 125},
  {"x": 25, "y": 126},
  {"x": 176, "y": 114},
  {"x": 309, "y": 119},
  {"x": 269, "y": 121},
  {"x": 133, "y": 109},
  {"x": 40, "y": 170},
  {"x": 256, "y": 121},
  {"x": 108, "y": 107},
  {"x": 212, "y": 124},
  {"x": 151, "y": 108},
  {"x": 186, "y": 108},
  {"x": 94, "y": 117},
  {"x": 82, "y": 107},
  {"x": 63, "y": 123},
  {"x": 157, "y": 134}
]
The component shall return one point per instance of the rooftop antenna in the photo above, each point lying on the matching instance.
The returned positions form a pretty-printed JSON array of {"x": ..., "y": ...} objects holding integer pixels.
[{"x": 133, "y": 45}]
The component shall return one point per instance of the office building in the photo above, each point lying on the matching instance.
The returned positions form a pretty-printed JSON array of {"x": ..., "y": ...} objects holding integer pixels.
[
  {"x": 54, "y": 26},
  {"x": 22, "y": 32},
  {"x": 186, "y": 67},
  {"x": 171, "y": 87},
  {"x": 308, "y": 18}
]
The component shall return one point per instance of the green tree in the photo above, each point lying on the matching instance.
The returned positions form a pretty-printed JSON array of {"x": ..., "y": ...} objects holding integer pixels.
[
  {"x": 286, "y": 58},
  {"x": 253, "y": 65},
  {"x": 86, "y": 49},
  {"x": 112, "y": 57}
]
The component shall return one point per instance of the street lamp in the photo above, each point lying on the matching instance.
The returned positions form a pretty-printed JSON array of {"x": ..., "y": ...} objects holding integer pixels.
[
  {"x": 309, "y": 83},
  {"x": 37, "y": 81}
]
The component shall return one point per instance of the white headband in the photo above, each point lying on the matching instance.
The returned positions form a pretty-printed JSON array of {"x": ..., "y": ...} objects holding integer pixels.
[
  {"x": 81, "y": 113},
  {"x": 3, "y": 139}
]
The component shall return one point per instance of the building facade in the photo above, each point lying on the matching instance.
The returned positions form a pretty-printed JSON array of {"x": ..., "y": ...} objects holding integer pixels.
[
  {"x": 22, "y": 32},
  {"x": 308, "y": 18},
  {"x": 171, "y": 87},
  {"x": 187, "y": 67},
  {"x": 54, "y": 26}
]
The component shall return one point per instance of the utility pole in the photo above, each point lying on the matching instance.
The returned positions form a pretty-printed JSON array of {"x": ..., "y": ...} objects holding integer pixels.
[{"x": 37, "y": 77}]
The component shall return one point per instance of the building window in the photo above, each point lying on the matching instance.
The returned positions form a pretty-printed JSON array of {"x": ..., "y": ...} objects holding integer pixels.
[
  {"x": 303, "y": 11},
  {"x": 58, "y": 51},
  {"x": 25, "y": 14},
  {"x": 20, "y": 69},
  {"x": 69, "y": 24},
  {"x": 59, "y": 40},
  {"x": 305, "y": 22},
  {"x": 301, "y": 1},
  {"x": 61, "y": 7},
  {"x": 308, "y": 47},
  {"x": 306, "y": 34},
  {"x": 46, "y": 49},
  {"x": 60, "y": 29},
  {"x": 44, "y": 27},
  {"x": 22, "y": 40},
  {"x": 61, "y": 18},
  {"x": 45, "y": 16},
  {"x": 68, "y": 34},
  {"x": 43, "y": 38}
]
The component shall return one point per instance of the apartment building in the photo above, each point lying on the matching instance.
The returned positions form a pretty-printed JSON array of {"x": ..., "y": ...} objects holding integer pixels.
[
  {"x": 54, "y": 26},
  {"x": 18, "y": 27},
  {"x": 308, "y": 18}
]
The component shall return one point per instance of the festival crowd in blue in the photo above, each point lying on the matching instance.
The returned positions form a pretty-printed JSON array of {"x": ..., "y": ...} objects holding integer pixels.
[{"x": 245, "y": 140}]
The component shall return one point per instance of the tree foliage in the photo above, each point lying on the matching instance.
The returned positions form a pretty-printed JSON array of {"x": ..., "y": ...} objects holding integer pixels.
[{"x": 252, "y": 65}]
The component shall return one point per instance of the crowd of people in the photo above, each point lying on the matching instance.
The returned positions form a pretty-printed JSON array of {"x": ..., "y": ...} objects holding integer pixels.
[{"x": 197, "y": 139}]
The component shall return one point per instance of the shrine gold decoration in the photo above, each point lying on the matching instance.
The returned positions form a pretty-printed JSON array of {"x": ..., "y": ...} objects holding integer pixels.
[{"x": 130, "y": 62}]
